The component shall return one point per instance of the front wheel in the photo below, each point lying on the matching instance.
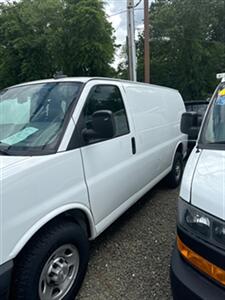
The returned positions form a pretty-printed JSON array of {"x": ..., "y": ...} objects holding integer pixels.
[
  {"x": 175, "y": 175},
  {"x": 53, "y": 265}
]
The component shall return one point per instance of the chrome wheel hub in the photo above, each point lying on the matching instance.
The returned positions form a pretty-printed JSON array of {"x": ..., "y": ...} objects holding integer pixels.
[{"x": 59, "y": 273}]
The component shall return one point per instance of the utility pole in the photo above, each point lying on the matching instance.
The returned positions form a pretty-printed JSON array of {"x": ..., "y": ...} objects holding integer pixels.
[
  {"x": 131, "y": 40},
  {"x": 146, "y": 42}
]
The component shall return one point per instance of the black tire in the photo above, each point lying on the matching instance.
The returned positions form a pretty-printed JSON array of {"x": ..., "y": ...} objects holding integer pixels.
[
  {"x": 30, "y": 264},
  {"x": 174, "y": 177}
]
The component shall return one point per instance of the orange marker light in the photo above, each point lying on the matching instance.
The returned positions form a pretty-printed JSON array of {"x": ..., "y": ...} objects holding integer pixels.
[{"x": 201, "y": 263}]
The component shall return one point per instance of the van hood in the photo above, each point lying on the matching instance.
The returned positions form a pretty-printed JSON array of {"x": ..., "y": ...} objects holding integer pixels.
[
  {"x": 7, "y": 161},
  {"x": 208, "y": 183}
]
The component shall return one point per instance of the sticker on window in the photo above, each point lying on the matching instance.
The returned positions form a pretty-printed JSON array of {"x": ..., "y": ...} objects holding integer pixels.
[
  {"x": 220, "y": 100},
  {"x": 222, "y": 93},
  {"x": 19, "y": 136}
]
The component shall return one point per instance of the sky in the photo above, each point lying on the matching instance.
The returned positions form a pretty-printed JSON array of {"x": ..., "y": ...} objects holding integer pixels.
[{"x": 117, "y": 15}]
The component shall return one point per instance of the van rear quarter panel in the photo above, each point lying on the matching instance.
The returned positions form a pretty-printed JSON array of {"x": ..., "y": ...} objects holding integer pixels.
[
  {"x": 175, "y": 107},
  {"x": 156, "y": 113}
]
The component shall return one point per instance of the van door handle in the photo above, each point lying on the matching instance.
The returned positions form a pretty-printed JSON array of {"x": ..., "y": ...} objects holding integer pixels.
[{"x": 133, "y": 144}]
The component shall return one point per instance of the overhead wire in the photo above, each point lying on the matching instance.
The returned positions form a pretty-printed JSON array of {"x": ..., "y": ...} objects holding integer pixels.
[
  {"x": 123, "y": 11},
  {"x": 139, "y": 2},
  {"x": 117, "y": 13}
]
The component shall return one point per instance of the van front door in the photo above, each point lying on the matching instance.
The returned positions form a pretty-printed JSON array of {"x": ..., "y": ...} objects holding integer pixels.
[{"x": 108, "y": 164}]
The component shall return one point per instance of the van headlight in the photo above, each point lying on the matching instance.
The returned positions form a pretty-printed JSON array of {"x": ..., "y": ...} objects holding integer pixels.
[
  {"x": 219, "y": 232},
  {"x": 201, "y": 223},
  {"x": 197, "y": 221}
]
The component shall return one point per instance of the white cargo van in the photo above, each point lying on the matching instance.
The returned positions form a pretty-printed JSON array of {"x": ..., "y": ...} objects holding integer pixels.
[
  {"x": 198, "y": 260},
  {"x": 75, "y": 154}
]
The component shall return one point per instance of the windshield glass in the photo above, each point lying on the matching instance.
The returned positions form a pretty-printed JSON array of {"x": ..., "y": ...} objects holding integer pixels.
[
  {"x": 214, "y": 128},
  {"x": 32, "y": 116}
]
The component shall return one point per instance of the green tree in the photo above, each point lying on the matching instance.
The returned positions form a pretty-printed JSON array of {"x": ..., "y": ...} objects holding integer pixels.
[
  {"x": 40, "y": 37},
  {"x": 122, "y": 69},
  {"x": 27, "y": 36},
  {"x": 187, "y": 45},
  {"x": 88, "y": 45}
]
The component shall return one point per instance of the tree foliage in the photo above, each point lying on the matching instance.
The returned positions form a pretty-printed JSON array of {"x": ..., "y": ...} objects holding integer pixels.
[
  {"x": 40, "y": 37},
  {"x": 187, "y": 45}
]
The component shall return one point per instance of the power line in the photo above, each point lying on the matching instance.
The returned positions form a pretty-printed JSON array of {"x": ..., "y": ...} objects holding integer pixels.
[
  {"x": 118, "y": 13},
  {"x": 139, "y": 2},
  {"x": 123, "y": 11}
]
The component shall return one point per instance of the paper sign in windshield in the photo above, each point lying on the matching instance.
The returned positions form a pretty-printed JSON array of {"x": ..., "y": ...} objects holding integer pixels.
[{"x": 19, "y": 136}]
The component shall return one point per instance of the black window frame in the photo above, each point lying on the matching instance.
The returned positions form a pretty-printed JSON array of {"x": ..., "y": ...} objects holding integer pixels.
[{"x": 77, "y": 139}]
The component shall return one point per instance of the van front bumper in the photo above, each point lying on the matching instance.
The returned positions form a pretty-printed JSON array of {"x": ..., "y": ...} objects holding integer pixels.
[
  {"x": 5, "y": 279},
  {"x": 187, "y": 283}
]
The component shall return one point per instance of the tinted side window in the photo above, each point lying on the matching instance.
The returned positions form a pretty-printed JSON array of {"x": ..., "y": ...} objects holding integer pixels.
[{"x": 107, "y": 97}]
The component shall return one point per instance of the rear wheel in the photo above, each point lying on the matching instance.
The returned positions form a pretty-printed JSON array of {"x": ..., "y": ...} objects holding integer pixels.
[
  {"x": 53, "y": 265},
  {"x": 175, "y": 175}
]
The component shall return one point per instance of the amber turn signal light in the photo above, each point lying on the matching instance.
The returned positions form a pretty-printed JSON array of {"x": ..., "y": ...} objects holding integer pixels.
[{"x": 201, "y": 263}]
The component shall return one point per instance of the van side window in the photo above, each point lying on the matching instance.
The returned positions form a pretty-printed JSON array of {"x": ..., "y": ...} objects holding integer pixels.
[{"x": 106, "y": 97}]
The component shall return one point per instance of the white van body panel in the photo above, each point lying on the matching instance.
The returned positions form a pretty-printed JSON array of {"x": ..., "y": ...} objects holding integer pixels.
[
  {"x": 108, "y": 164},
  {"x": 102, "y": 179},
  {"x": 156, "y": 114},
  {"x": 67, "y": 136},
  {"x": 156, "y": 135},
  {"x": 101, "y": 226},
  {"x": 208, "y": 187},
  {"x": 186, "y": 184},
  {"x": 34, "y": 187}
]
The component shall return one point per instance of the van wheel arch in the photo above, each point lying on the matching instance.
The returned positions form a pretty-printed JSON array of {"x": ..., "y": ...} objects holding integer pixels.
[
  {"x": 79, "y": 217},
  {"x": 173, "y": 179},
  {"x": 75, "y": 215},
  {"x": 180, "y": 149}
]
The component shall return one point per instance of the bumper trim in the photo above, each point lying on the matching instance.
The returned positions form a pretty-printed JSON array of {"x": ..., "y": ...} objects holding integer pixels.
[
  {"x": 187, "y": 283},
  {"x": 5, "y": 279}
]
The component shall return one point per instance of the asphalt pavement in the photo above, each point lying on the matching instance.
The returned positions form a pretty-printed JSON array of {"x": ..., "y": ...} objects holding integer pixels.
[{"x": 131, "y": 259}]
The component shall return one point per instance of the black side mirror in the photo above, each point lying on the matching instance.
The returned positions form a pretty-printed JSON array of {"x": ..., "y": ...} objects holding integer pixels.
[
  {"x": 103, "y": 126},
  {"x": 189, "y": 125}
]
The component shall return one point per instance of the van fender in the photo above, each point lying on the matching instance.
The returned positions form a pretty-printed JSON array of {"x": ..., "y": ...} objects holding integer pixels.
[{"x": 47, "y": 218}]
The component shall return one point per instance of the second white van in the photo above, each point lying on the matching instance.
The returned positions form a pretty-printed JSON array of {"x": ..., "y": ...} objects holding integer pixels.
[
  {"x": 75, "y": 154},
  {"x": 198, "y": 259}
]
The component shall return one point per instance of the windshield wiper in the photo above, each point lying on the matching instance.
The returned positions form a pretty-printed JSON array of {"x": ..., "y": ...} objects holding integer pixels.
[
  {"x": 218, "y": 142},
  {"x": 4, "y": 152}
]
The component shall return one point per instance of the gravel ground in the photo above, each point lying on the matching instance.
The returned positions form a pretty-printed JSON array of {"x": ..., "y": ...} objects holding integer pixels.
[{"x": 130, "y": 260}]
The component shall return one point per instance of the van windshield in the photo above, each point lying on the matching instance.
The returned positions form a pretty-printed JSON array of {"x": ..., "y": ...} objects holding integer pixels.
[
  {"x": 32, "y": 116},
  {"x": 213, "y": 133}
]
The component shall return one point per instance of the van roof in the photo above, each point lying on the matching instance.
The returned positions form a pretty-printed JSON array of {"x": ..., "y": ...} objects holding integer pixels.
[{"x": 87, "y": 79}]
